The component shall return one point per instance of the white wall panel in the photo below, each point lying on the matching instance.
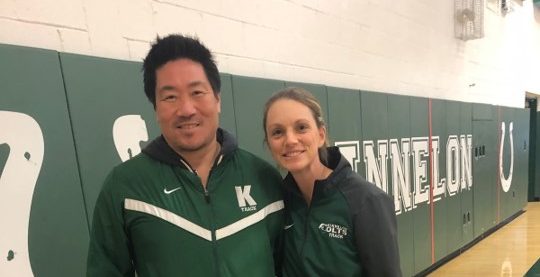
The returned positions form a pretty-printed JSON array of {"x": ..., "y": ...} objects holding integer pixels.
[{"x": 399, "y": 47}]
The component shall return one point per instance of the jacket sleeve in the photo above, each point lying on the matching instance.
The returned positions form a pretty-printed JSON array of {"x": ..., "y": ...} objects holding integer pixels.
[
  {"x": 375, "y": 230},
  {"x": 109, "y": 250}
]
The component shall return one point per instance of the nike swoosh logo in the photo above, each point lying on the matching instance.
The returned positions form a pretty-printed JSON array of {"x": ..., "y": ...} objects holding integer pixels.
[
  {"x": 287, "y": 227},
  {"x": 171, "y": 191}
]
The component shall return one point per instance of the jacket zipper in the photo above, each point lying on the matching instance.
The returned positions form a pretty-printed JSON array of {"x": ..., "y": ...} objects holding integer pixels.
[
  {"x": 306, "y": 227},
  {"x": 206, "y": 196},
  {"x": 208, "y": 202},
  {"x": 212, "y": 225}
]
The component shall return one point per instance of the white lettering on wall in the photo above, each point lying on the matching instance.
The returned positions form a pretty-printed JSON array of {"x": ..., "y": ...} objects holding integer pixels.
[
  {"x": 409, "y": 165},
  {"x": 376, "y": 167},
  {"x": 401, "y": 174},
  {"x": 128, "y": 132},
  {"x": 17, "y": 182}
]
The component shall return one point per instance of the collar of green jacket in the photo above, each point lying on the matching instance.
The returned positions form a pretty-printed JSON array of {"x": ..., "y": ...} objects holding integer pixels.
[
  {"x": 336, "y": 162},
  {"x": 159, "y": 150}
]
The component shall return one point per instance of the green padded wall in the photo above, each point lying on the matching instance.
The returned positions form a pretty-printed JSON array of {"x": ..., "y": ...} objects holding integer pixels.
[
  {"x": 399, "y": 126},
  {"x": 533, "y": 137},
  {"x": 421, "y": 214},
  {"x": 483, "y": 112},
  {"x": 345, "y": 118},
  {"x": 77, "y": 102},
  {"x": 344, "y": 124},
  {"x": 374, "y": 109},
  {"x": 514, "y": 198},
  {"x": 454, "y": 214},
  {"x": 38, "y": 151},
  {"x": 484, "y": 167},
  {"x": 250, "y": 95},
  {"x": 507, "y": 199},
  {"x": 100, "y": 93},
  {"x": 466, "y": 196},
  {"x": 227, "y": 117},
  {"x": 521, "y": 119},
  {"x": 442, "y": 218}
]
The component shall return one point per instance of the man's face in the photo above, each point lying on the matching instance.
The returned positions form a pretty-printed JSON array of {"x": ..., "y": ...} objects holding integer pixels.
[{"x": 186, "y": 108}]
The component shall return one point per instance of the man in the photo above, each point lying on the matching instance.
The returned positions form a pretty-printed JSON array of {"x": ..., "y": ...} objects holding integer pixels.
[{"x": 192, "y": 203}]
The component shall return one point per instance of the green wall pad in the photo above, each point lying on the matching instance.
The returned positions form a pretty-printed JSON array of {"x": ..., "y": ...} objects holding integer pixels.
[
  {"x": 399, "y": 134},
  {"x": 420, "y": 183},
  {"x": 374, "y": 109},
  {"x": 344, "y": 124},
  {"x": 506, "y": 193},
  {"x": 453, "y": 216},
  {"x": 250, "y": 95},
  {"x": 41, "y": 203},
  {"x": 484, "y": 167},
  {"x": 71, "y": 118},
  {"x": 112, "y": 119},
  {"x": 442, "y": 221},
  {"x": 522, "y": 149},
  {"x": 513, "y": 141},
  {"x": 227, "y": 118},
  {"x": 467, "y": 214}
]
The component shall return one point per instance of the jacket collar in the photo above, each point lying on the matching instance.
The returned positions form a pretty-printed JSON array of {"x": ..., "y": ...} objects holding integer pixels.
[
  {"x": 159, "y": 150},
  {"x": 340, "y": 167}
]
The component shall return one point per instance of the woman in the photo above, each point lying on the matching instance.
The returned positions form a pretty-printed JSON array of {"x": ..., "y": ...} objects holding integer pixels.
[{"x": 341, "y": 225}]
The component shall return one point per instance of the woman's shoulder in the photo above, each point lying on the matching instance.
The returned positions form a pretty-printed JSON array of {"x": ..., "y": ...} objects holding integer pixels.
[{"x": 359, "y": 192}]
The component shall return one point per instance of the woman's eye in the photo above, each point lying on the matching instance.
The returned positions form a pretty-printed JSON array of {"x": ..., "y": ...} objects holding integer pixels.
[
  {"x": 276, "y": 132},
  {"x": 302, "y": 127}
]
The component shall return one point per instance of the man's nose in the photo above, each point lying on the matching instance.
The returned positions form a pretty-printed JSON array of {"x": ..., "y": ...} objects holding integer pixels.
[{"x": 186, "y": 108}]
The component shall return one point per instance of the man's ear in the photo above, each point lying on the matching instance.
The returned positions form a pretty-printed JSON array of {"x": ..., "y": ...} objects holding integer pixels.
[{"x": 218, "y": 97}]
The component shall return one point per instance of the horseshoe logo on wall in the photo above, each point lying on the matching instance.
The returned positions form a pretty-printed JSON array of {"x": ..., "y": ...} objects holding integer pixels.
[{"x": 506, "y": 182}]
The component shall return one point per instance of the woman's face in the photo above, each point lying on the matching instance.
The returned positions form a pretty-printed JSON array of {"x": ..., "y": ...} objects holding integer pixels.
[{"x": 293, "y": 136}]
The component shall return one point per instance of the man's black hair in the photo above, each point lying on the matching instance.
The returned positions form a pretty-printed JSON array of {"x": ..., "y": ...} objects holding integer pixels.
[{"x": 174, "y": 47}]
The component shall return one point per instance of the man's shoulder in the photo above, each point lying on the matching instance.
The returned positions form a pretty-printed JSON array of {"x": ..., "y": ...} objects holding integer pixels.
[
  {"x": 248, "y": 156},
  {"x": 258, "y": 167},
  {"x": 140, "y": 160},
  {"x": 141, "y": 164},
  {"x": 131, "y": 173}
]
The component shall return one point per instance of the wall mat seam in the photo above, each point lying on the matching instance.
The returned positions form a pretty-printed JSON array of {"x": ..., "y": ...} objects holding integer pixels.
[
  {"x": 431, "y": 204},
  {"x": 74, "y": 144}
]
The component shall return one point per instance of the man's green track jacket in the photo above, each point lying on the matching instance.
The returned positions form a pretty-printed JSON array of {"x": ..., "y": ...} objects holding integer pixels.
[{"x": 154, "y": 217}]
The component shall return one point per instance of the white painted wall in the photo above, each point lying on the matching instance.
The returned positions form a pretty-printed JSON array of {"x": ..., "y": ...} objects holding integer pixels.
[{"x": 404, "y": 47}]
